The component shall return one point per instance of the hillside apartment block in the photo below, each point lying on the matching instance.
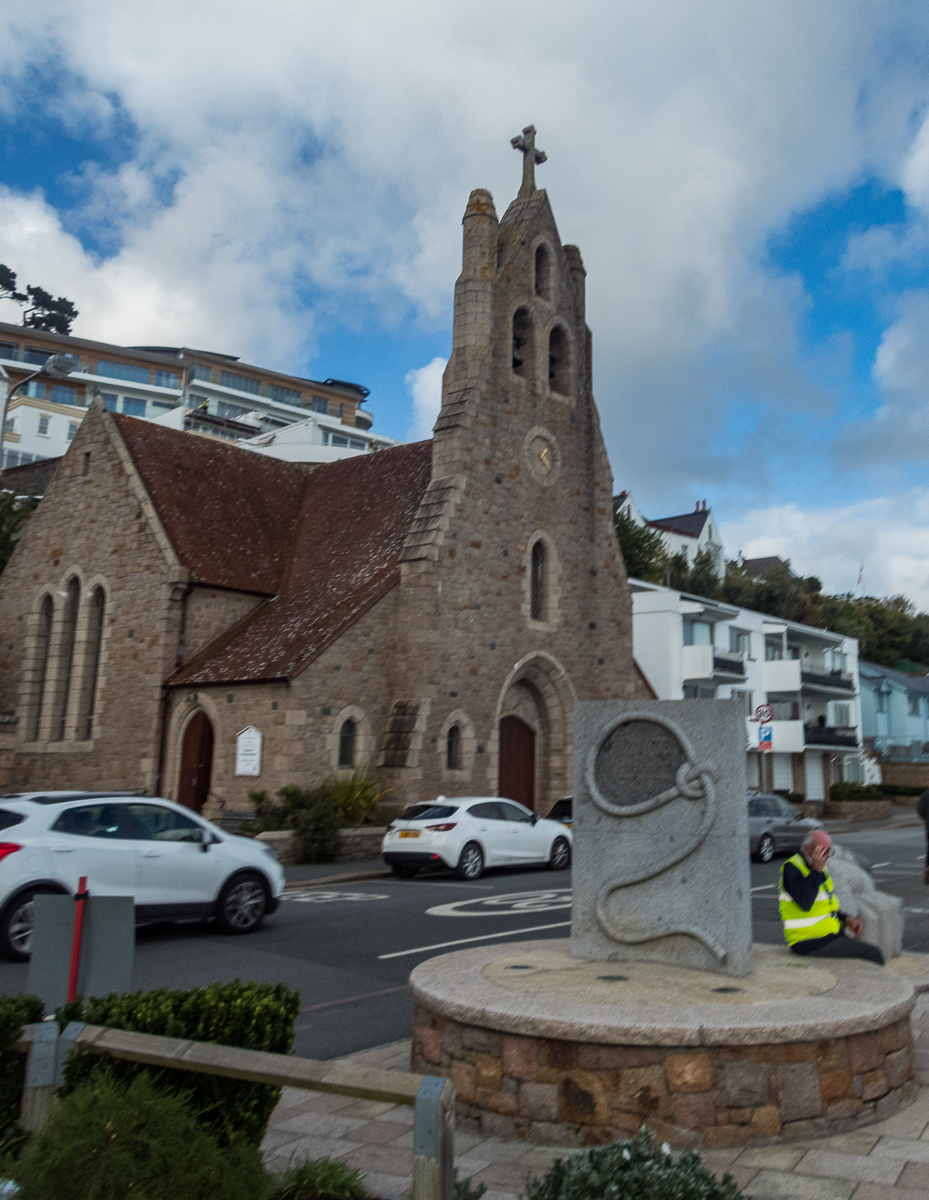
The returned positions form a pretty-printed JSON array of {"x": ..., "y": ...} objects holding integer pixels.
[
  {"x": 211, "y": 394},
  {"x": 691, "y": 648}
]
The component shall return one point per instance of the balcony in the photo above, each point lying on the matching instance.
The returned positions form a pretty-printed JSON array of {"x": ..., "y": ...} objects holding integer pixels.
[
  {"x": 827, "y": 679},
  {"x": 830, "y": 735},
  {"x": 708, "y": 663}
]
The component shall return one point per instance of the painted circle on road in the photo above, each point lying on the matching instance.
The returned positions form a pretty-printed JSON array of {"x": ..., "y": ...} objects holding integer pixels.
[
  {"x": 505, "y": 906},
  {"x": 312, "y": 896}
]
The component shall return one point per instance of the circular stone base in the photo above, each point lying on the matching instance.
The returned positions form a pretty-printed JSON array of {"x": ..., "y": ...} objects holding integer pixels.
[{"x": 555, "y": 1049}]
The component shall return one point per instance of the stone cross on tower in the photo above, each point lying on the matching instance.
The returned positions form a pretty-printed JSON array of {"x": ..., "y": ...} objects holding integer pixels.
[{"x": 531, "y": 158}]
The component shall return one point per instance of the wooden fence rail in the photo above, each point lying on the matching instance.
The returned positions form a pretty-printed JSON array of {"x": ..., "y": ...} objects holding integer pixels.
[{"x": 432, "y": 1096}]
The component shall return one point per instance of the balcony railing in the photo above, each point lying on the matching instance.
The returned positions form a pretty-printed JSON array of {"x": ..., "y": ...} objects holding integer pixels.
[
  {"x": 732, "y": 664},
  {"x": 830, "y": 735},
  {"x": 836, "y": 679}
]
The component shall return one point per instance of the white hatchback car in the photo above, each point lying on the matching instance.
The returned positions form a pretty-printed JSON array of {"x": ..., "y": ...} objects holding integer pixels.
[
  {"x": 174, "y": 863},
  {"x": 469, "y": 833}
]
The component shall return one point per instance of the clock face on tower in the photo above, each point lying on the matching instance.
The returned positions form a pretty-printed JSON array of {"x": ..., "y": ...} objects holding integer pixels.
[{"x": 542, "y": 454}]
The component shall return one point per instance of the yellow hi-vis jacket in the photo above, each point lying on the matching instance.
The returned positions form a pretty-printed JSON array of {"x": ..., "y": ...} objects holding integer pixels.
[{"x": 820, "y": 920}]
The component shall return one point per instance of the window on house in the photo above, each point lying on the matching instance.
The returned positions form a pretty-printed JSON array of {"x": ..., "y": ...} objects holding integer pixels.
[
  {"x": 453, "y": 748},
  {"x": 198, "y": 371},
  {"x": 8, "y": 350},
  {"x": 912, "y": 705},
  {"x": 162, "y": 405},
  {"x": 110, "y": 399},
  {"x": 283, "y": 395},
  {"x": 835, "y": 660},
  {"x": 699, "y": 693},
  {"x": 116, "y": 370},
  {"x": 339, "y": 439},
  {"x": 195, "y": 401},
  {"x": 356, "y": 444},
  {"x": 319, "y": 405},
  {"x": 543, "y": 273},
  {"x": 38, "y": 358},
  {"x": 43, "y": 646},
  {"x": 773, "y": 647},
  {"x": 740, "y": 641},
  {"x": 241, "y": 383},
  {"x": 841, "y": 715},
  {"x": 537, "y": 582},
  {"x": 10, "y": 425},
  {"x": 793, "y": 652},
  {"x": 133, "y": 407},
  {"x": 522, "y": 342},
  {"x": 36, "y": 389},
  {"x": 166, "y": 379},
  {"x": 72, "y": 431},
  {"x": 63, "y": 394},
  {"x": 881, "y": 702},
  {"x": 66, "y": 658},
  {"x": 744, "y": 699},
  {"x": 347, "y": 738},
  {"x": 786, "y": 706},
  {"x": 92, "y": 668},
  {"x": 697, "y": 633},
  {"x": 43, "y": 425}
]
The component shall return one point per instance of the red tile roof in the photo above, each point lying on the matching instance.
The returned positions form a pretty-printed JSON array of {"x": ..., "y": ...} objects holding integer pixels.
[
  {"x": 229, "y": 513},
  {"x": 344, "y": 556}
]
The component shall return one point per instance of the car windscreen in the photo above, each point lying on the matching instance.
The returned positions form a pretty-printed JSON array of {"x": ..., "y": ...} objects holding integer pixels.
[
  {"x": 560, "y": 810},
  {"x": 428, "y": 812},
  {"x": 8, "y": 818}
]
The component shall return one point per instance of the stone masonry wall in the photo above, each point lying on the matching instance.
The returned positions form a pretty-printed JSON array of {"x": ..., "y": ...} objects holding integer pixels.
[{"x": 556, "y": 1091}]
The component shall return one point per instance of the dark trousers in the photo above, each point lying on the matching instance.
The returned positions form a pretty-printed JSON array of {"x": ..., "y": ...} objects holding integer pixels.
[{"x": 838, "y": 945}]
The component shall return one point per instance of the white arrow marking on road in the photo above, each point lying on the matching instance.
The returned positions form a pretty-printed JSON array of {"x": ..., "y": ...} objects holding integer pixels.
[
  {"x": 512, "y": 902},
  {"x": 314, "y": 897}
]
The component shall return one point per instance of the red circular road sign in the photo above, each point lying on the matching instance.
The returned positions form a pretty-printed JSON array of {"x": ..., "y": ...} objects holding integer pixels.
[{"x": 764, "y": 713}]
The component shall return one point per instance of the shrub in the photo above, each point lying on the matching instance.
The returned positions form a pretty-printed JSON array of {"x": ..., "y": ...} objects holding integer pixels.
[
  {"x": 634, "y": 1170},
  {"x": 15, "y": 1012},
  {"x": 312, "y": 815},
  {"x": 793, "y": 797},
  {"x": 901, "y": 789},
  {"x": 856, "y": 791},
  {"x": 318, "y": 1177},
  {"x": 113, "y": 1140},
  {"x": 355, "y": 796},
  {"x": 249, "y": 1015}
]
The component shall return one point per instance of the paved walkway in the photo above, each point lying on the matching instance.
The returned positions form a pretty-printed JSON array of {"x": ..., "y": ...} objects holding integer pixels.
[{"x": 887, "y": 1161}]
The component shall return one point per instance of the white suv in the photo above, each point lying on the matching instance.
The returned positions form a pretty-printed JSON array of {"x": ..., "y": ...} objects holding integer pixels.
[
  {"x": 174, "y": 863},
  {"x": 469, "y": 833}
]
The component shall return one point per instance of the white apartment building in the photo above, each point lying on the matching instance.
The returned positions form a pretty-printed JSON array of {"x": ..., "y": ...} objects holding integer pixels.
[
  {"x": 691, "y": 648},
  {"x": 211, "y": 394}
]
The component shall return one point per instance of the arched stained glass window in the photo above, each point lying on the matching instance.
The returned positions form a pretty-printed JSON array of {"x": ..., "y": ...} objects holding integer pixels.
[
  {"x": 537, "y": 582},
  {"x": 453, "y": 748},
  {"x": 347, "y": 739}
]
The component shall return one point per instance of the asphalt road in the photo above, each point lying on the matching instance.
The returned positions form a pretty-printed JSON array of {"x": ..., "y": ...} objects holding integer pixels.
[{"x": 349, "y": 948}]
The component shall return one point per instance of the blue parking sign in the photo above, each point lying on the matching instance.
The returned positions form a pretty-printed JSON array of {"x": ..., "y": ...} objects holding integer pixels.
[{"x": 765, "y": 737}]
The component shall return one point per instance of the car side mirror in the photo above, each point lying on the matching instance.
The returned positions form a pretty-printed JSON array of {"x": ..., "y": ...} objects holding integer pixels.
[
  {"x": 205, "y": 839},
  {"x": 534, "y": 819}
]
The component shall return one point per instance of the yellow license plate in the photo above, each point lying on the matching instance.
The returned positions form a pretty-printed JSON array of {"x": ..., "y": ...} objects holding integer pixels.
[{"x": 409, "y": 833}]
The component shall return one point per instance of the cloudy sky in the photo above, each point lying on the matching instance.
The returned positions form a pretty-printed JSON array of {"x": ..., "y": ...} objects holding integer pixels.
[{"x": 748, "y": 183}]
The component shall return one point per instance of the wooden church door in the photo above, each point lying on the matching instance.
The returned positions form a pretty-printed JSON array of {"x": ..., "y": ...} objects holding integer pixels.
[
  {"x": 196, "y": 763},
  {"x": 516, "y": 776}
]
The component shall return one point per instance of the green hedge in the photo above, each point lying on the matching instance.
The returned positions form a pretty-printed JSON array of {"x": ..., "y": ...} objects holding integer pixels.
[
  {"x": 251, "y": 1016},
  {"x": 856, "y": 791},
  {"x": 901, "y": 789},
  {"x": 15, "y": 1012}
]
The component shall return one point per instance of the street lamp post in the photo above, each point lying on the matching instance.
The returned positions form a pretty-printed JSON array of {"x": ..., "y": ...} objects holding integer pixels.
[{"x": 56, "y": 365}]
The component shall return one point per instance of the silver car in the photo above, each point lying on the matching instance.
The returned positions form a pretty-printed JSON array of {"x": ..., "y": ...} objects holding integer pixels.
[{"x": 775, "y": 826}]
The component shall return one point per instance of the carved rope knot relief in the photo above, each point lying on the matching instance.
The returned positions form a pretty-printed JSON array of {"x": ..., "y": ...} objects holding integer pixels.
[{"x": 644, "y": 775}]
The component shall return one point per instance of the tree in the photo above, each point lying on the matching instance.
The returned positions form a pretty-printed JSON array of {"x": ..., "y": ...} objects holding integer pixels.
[
  {"x": 44, "y": 311},
  {"x": 641, "y": 547},
  {"x": 13, "y": 513},
  {"x": 702, "y": 578}
]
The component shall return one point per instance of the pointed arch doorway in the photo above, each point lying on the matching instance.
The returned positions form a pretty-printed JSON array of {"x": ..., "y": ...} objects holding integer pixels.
[
  {"x": 196, "y": 763},
  {"x": 516, "y": 772}
]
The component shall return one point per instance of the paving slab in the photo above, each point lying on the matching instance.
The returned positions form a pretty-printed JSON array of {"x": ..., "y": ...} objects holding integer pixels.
[
  {"x": 779, "y": 1185},
  {"x": 830, "y": 1165}
]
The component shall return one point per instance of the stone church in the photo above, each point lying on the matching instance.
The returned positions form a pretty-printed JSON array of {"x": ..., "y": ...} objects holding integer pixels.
[{"x": 433, "y": 610}]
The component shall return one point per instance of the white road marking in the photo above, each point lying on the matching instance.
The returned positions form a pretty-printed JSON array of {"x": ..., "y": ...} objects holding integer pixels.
[
  {"x": 764, "y": 887},
  {"x": 874, "y": 866},
  {"x": 502, "y": 906},
  {"x": 483, "y": 937},
  {"x": 317, "y": 897}
]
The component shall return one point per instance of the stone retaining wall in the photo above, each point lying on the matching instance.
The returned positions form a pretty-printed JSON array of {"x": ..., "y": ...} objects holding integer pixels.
[
  {"x": 905, "y": 774},
  {"x": 859, "y": 810},
  {"x": 562, "y": 1092}
]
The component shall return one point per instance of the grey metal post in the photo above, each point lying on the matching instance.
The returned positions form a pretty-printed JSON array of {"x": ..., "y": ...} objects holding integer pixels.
[{"x": 434, "y": 1140}]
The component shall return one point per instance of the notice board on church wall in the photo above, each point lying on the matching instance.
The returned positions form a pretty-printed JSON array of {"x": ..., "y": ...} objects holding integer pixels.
[{"x": 248, "y": 751}]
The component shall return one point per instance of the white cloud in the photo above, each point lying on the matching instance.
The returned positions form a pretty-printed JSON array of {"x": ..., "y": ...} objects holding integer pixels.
[
  {"x": 885, "y": 539},
  {"x": 425, "y": 387}
]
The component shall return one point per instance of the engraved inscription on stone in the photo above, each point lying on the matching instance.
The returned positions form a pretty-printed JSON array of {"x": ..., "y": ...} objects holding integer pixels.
[{"x": 637, "y": 762}]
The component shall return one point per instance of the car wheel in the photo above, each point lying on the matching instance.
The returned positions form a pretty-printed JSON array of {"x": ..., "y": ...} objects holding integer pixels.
[
  {"x": 765, "y": 851},
  {"x": 242, "y": 904},
  {"x": 16, "y": 925},
  {"x": 404, "y": 872},
  {"x": 471, "y": 863},
  {"x": 560, "y": 857}
]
